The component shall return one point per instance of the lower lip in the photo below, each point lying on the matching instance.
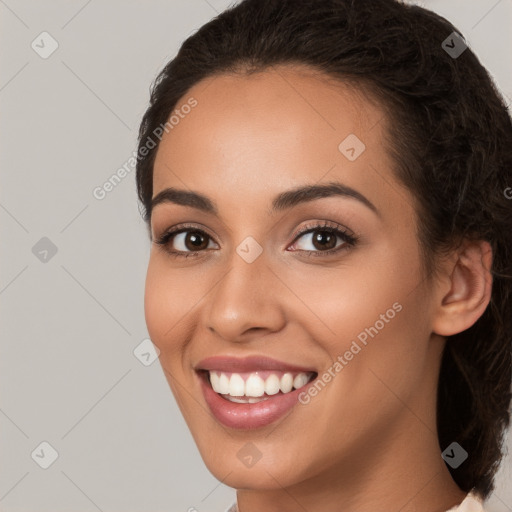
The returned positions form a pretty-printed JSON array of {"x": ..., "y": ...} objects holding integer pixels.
[{"x": 249, "y": 416}]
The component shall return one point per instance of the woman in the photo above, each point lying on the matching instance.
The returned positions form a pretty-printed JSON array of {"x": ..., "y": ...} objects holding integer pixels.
[{"x": 325, "y": 186}]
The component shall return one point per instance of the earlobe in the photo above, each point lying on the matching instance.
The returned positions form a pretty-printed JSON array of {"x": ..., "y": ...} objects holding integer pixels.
[{"x": 467, "y": 291}]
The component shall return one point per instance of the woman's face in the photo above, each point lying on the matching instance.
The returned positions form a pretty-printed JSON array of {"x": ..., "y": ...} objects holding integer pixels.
[{"x": 353, "y": 310}]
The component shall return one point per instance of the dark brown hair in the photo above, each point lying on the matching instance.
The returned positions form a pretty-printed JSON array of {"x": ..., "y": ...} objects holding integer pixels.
[{"x": 449, "y": 133}]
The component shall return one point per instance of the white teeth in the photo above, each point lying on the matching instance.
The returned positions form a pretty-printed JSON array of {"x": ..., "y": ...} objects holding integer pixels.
[
  {"x": 220, "y": 382},
  {"x": 286, "y": 382},
  {"x": 248, "y": 400},
  {"x": 236, "y": 385},
  {"x": 214, "y": 379},
  {"x": 254, "y": 387},
  {"x": 300, "y": 380},
  {"x": 223, "y": 384},
  {"x": 272, "y": 385}
]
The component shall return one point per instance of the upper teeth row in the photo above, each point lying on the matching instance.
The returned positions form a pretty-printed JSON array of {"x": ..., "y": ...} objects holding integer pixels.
[{"x": 235, "y": 385}]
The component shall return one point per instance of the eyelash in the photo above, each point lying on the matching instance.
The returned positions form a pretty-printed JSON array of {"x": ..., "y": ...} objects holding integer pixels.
[{"x": 349, "y": 239}]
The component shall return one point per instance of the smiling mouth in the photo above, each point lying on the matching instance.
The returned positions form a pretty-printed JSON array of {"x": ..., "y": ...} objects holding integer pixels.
[{"x": 256, "y": 386}]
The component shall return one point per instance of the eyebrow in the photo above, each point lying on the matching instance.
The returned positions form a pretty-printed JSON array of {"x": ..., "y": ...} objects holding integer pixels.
[{"x": 282, "y": 201}]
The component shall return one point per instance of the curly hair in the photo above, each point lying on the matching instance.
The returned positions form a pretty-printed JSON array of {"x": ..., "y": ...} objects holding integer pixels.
[{"x": 450, "y": 136}]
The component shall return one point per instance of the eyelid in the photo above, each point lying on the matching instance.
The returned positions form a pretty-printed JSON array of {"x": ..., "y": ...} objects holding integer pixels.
[
  {"x": 184, "y": 226},
  {"x": 319, "y": 225}
]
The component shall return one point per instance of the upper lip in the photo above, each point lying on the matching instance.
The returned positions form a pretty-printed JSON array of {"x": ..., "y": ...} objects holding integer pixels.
[{"x": 248, "y": 364}]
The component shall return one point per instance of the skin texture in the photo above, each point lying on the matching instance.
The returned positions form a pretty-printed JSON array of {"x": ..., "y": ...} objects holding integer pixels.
[{"x": 368, "y": 439}]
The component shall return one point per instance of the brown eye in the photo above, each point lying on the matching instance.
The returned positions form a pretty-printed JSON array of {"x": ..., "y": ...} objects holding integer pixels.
[
  {"x": 195, "y": 241},
  {"x": 323, "y": 239},
  {"x": 189, "y": 240},
  {"x": 185, "y": 241}
]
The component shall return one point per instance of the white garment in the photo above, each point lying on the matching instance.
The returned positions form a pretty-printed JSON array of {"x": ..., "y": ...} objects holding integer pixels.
[{"x": 471, "y": 503}]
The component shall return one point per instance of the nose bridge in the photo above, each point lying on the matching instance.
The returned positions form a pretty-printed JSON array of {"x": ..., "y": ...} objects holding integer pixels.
[{"x": 244, "y": 297}]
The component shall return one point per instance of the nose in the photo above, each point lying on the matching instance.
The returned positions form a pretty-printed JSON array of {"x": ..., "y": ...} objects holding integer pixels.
[{"x": 246, "y": 302}]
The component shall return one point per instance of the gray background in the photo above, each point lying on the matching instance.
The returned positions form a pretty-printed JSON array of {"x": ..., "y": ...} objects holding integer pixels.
[{"x": 70, "y": 324}]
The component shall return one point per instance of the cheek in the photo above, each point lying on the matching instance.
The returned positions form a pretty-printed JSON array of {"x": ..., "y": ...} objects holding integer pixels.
[
  {"x": 155, "y": 298},
  {"x": 166, "y": 302},
  {"x": 372, "y": 316},
  {"x": 383, "y": 346},
  {"x": 338, "y": 304}
]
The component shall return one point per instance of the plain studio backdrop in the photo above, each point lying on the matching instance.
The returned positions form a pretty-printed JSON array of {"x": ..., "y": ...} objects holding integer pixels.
[{"x": 74, "y": 83}]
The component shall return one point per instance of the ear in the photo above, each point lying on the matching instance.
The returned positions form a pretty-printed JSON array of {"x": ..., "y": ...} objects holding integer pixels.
[{"x": 464, "y": 288}]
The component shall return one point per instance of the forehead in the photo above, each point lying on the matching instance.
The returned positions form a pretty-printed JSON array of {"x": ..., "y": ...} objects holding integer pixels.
[{"x": 286, "y": 126}]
